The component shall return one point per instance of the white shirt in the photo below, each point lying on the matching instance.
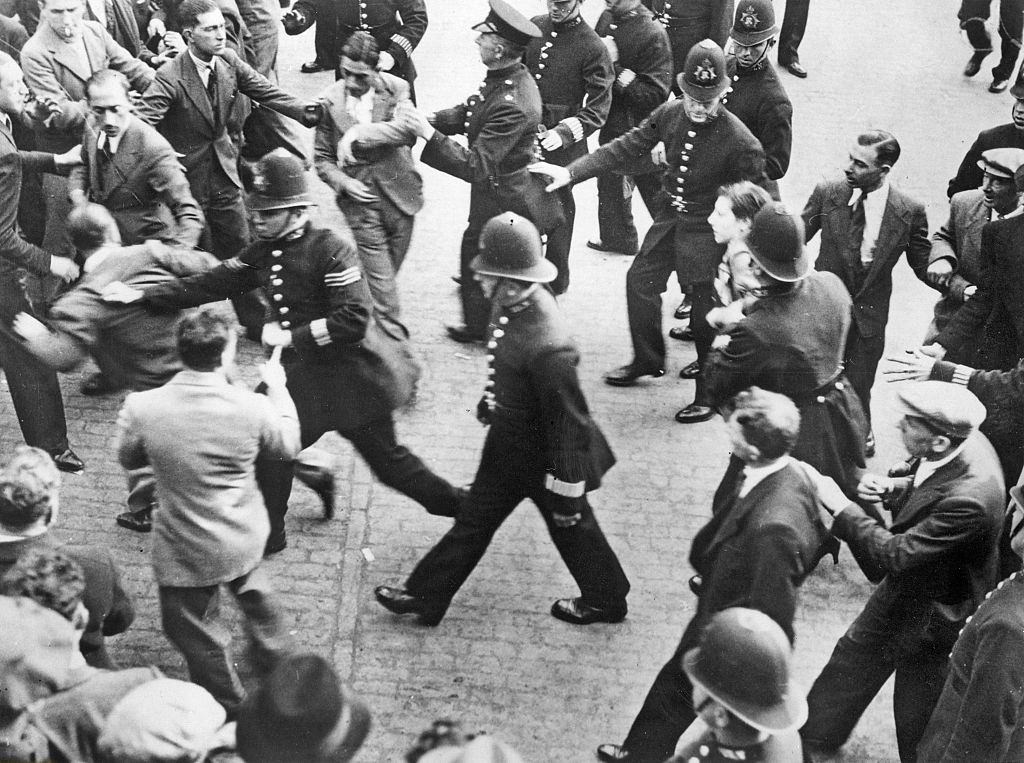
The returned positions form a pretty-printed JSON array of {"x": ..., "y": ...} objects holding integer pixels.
[
  {"x": 110, "y": 143},
  {"x": 874, "y": 209},
  {"x": 361, "y": 109},
  {"x": 754, "y": 475},
  {"x": 205, "y": 68},
  {"x": 927, "y": 468}
]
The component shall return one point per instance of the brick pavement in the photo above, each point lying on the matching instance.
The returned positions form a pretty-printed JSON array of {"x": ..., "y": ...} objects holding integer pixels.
[{"x": 498, "y": 661}]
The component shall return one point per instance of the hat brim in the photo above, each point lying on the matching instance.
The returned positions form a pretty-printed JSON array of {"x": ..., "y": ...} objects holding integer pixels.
[
  {"x": 702, "y": 94},
  {"x": 787, "y": 272},
  {"x": 1002, "y": 173},
  {"x": 753, "y": 38},
  {"x": 543, "y": 272},
  {"x": 787, "y": 714},
  {"x": 257, "y": 202}
]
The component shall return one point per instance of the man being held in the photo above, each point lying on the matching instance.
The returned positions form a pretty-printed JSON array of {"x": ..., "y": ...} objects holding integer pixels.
[
  {"x": 202, "y": 436},
  {"x": 934, "y": 564}
]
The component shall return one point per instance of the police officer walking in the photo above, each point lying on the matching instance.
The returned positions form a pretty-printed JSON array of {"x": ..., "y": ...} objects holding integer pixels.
[
  {"x": 344, "y": 372},
  {"x": 542, "y": 443},
  {"x": 690, "y": 21}
]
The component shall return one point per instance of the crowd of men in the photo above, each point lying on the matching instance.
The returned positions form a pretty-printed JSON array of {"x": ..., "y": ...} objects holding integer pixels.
[{"x": 150, "y": 165}]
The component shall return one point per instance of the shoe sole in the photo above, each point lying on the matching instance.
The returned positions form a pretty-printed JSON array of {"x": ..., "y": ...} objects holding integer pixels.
[
  {"x": 631, "y": 381},
  {"x": 565, "y": 617}
]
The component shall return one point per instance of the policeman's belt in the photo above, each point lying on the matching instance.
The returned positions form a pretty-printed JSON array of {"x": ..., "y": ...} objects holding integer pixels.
[
  {"x": 367, "y": 27},
  {"x": 836, "y": 383},
  {"x": 525, "y": 415}
]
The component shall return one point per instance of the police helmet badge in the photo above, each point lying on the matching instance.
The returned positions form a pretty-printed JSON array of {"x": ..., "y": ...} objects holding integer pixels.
[
  {"x": 705, "y": 72},
  {"x": 749, "y": 18}
]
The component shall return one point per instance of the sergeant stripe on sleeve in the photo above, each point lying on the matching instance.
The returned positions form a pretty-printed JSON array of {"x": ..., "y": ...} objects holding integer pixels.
[
  {"x": 403, "y": 43},
  {"x": 346, "y": 277},
  {"x": 319, "y": 332}
]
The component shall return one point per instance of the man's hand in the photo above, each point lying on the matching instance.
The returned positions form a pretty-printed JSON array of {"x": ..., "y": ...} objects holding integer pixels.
[
  {"x": 312, "y": 114},
  {"x": 70, "y": 158},
  {"x": 551, "y": 140},
  {"x": 156, "y": 28},
  {"x": 64, "y": 268},
  {"x": 560, "y": 176},
  {"x": 913, "y": 366},
  {"x": 415, "y": 119},
  {"x": 386, "y": 62},
  {"x": 359, "y": 191},
  {"x": 936, "y": 351},
  {"x": 29, "y": 328},
  {"x": 78, "y": 197},
  {"x": 939, "y": 272},
  {"x": 275, "y": 336},
  {"x": 120, "y": 293},
  {"x": 272, "y": 372},
  {"x": 345, "y": 155},
  {"x": 970, "y": 291},
  {"x": 873, "y": 488},
  {"x": 612, "y": 48},
  {"x": 659, "y": 155}
]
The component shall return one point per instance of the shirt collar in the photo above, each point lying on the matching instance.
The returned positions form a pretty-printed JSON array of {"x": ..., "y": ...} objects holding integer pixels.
[
  {"x": 753, "y": 475},
  {"x": 202, "y": 65},
  {"x": 111, "y": 143},
  {"x": 882, "y": 192},
  {"x": 926, "y": 469},
  {"x": 993, "y": 215}
]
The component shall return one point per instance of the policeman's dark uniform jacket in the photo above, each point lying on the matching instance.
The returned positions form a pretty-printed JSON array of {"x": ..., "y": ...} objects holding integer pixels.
[
  {"x": 542, "y": 444},
  {"x": 396, "y": 25},
  {"x": 702, "y": 157},
  {"x": 574, "y": 75},
  {"x": 690, "y": 21},
  {"x": 344, "y": 373},
  {"x": 757, "y": 96},
  {"x": 643, "y": 78}
]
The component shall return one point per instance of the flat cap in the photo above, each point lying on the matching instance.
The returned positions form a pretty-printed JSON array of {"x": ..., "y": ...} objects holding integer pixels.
[
  {"x": 505, "y": 21},
  {"x": 950, "y": 408},
  {"x": 1002, "y": 162}
]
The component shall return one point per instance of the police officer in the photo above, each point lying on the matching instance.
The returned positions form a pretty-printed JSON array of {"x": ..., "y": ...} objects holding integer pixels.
[
  {"x": 542, "y": 443},
  {"x": 973, "y": 14},
  {"x": 640, "y": 52},
  {"x": 757, "y": 96},
  {"x": 690, "y": 21},
  {"x": 705, "y": 147},
  {"x": 500, "y": 121},
  {"x": 574, "y": 75},
  {"x": 344, "y": 372},
  {"x": 396, "y": 25}
]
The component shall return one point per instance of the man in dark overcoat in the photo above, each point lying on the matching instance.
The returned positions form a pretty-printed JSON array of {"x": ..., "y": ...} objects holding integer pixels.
[{"x": 1009, "y": 135}]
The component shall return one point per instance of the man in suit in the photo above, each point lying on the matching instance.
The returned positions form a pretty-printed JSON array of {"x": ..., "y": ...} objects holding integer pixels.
[
  {"x": 64, "y": 52},
  {"x": 373, "y": 175},
  {"x": 956, "y": 260},
  {"x": 1009, "y": 135},
  {"x": 29, "y": 501},
  {"x": 132, "y": 170},
  {"x": 762, "y": 541},
  {"x": 190, "y": 103},
  {"x": 542, "y": 444},
  {"x": 34, "y": 389},
  {"x": 574, "y": 75},
  {"x": 865, "y": 225},
  {"x": 642, "y": 58},
  {"x": 934, "y": 564},
  {"x": 706, "y": 147},
  {"x": 202, "y": 436},
  {"x": 500, "y": 122}
]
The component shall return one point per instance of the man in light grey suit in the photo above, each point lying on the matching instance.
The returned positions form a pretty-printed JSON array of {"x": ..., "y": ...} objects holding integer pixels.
[{"x": 202, "y": 437}]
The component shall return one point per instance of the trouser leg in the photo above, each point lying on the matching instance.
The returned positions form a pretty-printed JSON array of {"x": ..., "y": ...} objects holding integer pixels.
[
  {"x": 560, "y": 242},
  {"x": 861, "y": 361},
  {"x": 141, "y": 489},
  {"x": 917, "y": 688},
  {"x": 1011, "y": 24},
  {"x": 794, "y": 24},
  {"x": 701, "y": 300},
  {"x": 325, "y": 36},
  {"x": 666, "y": 713},
  {"x": 191, "y": 621},
  {"x": 476, "y": 308},
  {"x": 646, "y": 281},
  {"x": 274, "y": 477},
  {"x": 973, "y": 14},
  {"x": 615, "y": 214},
  {"x": 268, "y": 632},
  {"x": 651, "y": 191},
  {"x": 400, "y": 469}
]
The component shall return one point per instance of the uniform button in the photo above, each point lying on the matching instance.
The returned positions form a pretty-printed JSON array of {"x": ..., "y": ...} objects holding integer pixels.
[
  {"x": 469, "y": 112},
  {"x": 276, "y": 253},
  {"x": 276, "y": 281},
  {"x": 490, "y": 386},
  {"x": 684, "y": 157},
  {"x": 820, "y": 399},
  {"x": 540, "y": 66},
  {"x": 509, "y": 98},
  {"x": 543, "y": 55},
  {"x": 688, "y": 146},
  {"x": 490, "y": 358},
  {"x": 283, "y": 310},
  {"x": 840, "y": 385},
  {"x": 536, "y": 76},
  {"x": 491, "y": 345},
  {"x": 684, "y": 169},
  {"x": 503, "y": 320},
  {"x": 553, "y": 34},
  {"x": 285, "y": 324},
  {"x": 508, "y": 82},
  {"x": 498, "y": 333},
  {"x": 275, "y": 268},
  {"x": 691, "y": 134},
  {"x": 278, "y": 297}
]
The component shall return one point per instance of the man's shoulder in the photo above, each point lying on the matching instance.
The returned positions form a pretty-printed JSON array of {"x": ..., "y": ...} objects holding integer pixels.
[
  {"x": 146, "y": 135},
  {"x": 997, "y": 137},
  {"x": 967, "y": 201},
  {"x": 899, "y": 197}
]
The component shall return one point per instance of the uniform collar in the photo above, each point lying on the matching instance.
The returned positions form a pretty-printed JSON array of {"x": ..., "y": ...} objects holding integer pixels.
[
  {"x": 525, "y": 301},
  {"x": 507, "y": 71},
  {"x": 564, "y": 26}
]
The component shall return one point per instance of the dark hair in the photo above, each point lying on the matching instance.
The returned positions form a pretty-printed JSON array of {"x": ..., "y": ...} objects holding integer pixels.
[
  {"x": 49, "y": 578},
  {"x": 442, "y": 733},
  {"x": 202, "y": 337},
  {"x": 190, "y": 11},
  {"x": 27, "y": 483},
  {"x": 745, "y": 198},
  {"x": 770, "y": 421},
  {"x": 107, "y": 77},
  {"x": 954, "y": 440},
  {"x": 90, "y": 226},
  {"x": 361, "y": 47},
  {"x": 887, "y": 148}
]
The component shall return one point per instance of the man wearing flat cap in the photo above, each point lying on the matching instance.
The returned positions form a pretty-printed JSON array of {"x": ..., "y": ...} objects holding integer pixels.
[
  {"x": 500, "y": 122},
  {"x": 934, "y": 565},
  {"x": 957, "y": 258}
]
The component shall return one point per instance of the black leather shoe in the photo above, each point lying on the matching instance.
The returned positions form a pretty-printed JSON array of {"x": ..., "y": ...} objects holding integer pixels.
[
  {"x": 611, "y": 753},
  {"x": 683, "y": 311},
  {"x": 68, "y": 462},
  {"x": 576, "y": 612},
  {"x": 98, "y": 384},
  {"x": 974, "y": 63},
  {"x": 137, "y": 521},
  {"x": 691, "y": 371},
  {"x": 626, "y": 376},
  {"x": 998, "y": 85},
  {"x": 400, "y": 602},
  {"x": 796, "y": 69},
  {"x": 275, "y": 545},
  {"x": 463, "y": 335},
  {"x": 600, "y": 246},
  {"x": 312, "y": 67},
  {"x": 694, "y": 414},
  {"x": 682, "y": 333},
  {"x": 325, "y": 491}
]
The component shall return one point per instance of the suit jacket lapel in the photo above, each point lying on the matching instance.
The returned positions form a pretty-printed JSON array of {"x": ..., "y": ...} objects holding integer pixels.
[
  {"x": 225, "y": 87},
  {"x": 195, "y": 89},
  {"x": 839, "y": 220},
  {"x": 7, "y": 138},
  {"x": 74, "y": 57},
  {"x": 734, "y": 516},
  {"x": 893, "y": 220},
  {"x": 125, "y": 160}
]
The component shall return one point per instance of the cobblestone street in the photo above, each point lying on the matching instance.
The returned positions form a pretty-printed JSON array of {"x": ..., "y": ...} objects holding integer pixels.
[{"x": 499, "y": 662}]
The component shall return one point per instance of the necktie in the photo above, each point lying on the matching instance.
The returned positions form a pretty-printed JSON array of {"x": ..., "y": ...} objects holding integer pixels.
[
  {"x": 108, "y": 8},
  {"x": 211, "y": 91},
  {"x": 104, "y": 158},
  {"x": 857, "y": 222}
]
